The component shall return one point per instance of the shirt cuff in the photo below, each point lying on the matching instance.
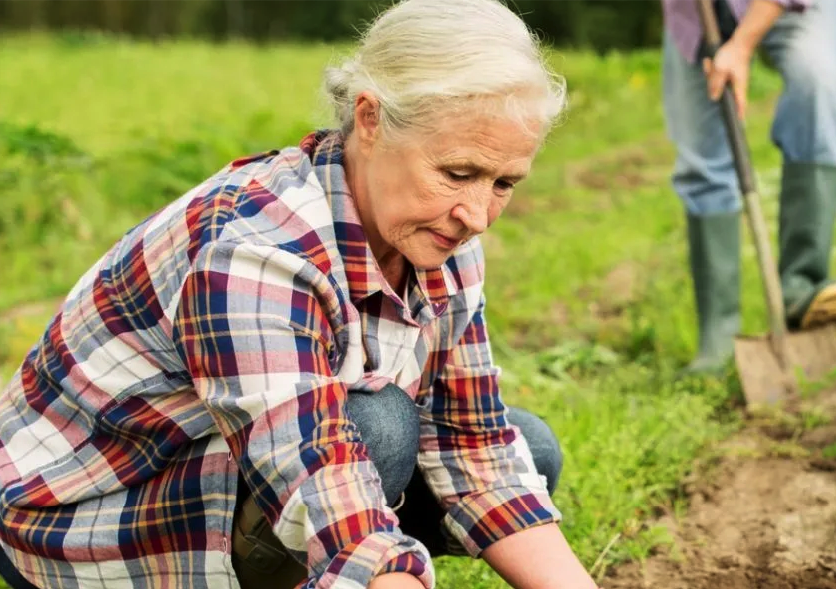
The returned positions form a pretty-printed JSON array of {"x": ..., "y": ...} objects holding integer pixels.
[
  {"x": 480, "y": 519},
  {"x": 358, "y": 563}
]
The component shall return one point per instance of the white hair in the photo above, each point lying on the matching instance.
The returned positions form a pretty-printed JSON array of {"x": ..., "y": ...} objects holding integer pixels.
[{"x": 426, "y": 58}]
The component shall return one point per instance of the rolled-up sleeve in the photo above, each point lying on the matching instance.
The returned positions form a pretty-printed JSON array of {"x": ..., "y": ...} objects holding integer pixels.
[
  {"x": 478, "y": 465},
  {"x": 251, "y": 329}
]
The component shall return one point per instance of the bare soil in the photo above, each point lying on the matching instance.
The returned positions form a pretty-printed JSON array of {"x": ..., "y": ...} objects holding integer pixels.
[{"x": 764, "y": 517}]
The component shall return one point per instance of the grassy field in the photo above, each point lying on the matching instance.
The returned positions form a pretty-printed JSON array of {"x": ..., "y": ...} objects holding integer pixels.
[{"x": 589, "y": 298}]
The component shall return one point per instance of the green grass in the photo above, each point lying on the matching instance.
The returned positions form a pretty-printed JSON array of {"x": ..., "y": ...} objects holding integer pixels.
[{"x": 588, "y": 292}]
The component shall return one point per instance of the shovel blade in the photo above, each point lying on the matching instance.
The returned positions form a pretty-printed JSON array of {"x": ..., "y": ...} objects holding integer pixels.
[{"x": 764, "y": 381}]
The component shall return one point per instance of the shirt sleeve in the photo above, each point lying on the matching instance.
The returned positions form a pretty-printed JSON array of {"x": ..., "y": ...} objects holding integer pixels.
[
  {"x": 251, "y": 328},
  {"x": 477, "y": 464}
]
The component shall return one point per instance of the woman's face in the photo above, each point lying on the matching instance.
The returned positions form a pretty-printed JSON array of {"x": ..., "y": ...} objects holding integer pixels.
[{"x": 426, "y": 196}]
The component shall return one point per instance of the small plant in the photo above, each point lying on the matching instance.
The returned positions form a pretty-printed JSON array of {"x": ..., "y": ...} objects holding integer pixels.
[
  {"x": 574, "y": 359},
  {"x": 813, "y": 418},
  {"x": 34, "y": 142}
]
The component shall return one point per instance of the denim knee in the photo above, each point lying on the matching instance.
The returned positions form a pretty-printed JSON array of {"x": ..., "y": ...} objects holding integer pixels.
[
  {"x": 804, "y": 128},
  {"x": 545, "y": 449},
  {"x": 801, "y": 45},
  {"x": 389, "y": 425}
]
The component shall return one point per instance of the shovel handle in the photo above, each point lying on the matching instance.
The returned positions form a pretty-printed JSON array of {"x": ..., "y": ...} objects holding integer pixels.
[{"x": 751, "y": 200}]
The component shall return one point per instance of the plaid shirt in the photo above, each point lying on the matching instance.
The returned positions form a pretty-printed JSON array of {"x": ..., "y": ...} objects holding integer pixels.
[{"x": 222, "y": 334}]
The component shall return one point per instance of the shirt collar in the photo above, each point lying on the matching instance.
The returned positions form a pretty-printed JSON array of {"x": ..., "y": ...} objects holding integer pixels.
[{"x": 435, "y": 286}]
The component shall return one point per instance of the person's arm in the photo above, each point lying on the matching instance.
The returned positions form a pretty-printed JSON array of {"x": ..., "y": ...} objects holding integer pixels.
[
  {"x": 396, "y": 581},
  {"x": 252, "y": 332},
  {"x": 538, "y": 558},
  {"x": 733, "y": 59},
  {"x": 480, "y": 467}
]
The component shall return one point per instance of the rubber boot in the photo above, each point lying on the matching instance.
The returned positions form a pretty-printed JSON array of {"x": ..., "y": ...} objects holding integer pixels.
[
  {"x": 714, "y": 251},
  {"x": 808, "y": 211},
  {"x": 259, "y": 559}
]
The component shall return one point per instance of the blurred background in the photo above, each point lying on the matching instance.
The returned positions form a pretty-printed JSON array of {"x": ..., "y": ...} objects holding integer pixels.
[{"x": 598, "y": 24}]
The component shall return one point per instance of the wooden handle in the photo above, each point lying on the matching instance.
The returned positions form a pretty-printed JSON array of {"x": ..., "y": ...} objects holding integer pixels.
[
  {"x": 737, "y": 136},
  {"x": 751, "y": 201},
  {"x": 709, "y": 25}
]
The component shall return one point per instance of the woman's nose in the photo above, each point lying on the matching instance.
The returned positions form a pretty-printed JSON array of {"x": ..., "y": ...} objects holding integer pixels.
[{"x": 474, "y": 214}]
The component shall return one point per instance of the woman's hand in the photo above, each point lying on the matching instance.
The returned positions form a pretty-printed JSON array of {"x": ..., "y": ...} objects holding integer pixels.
[{"x": 396, "y": 581}]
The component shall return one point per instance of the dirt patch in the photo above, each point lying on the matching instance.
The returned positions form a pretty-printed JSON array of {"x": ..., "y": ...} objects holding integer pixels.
[
  {"x": 622, "y": 170},
  {"x": 602, "y": 317},
  {"x": 762, "y": 519},
  {"x": 528, "y": 205},
  {"x": 620, "y": 289},
  {"x": 608, "y": 301},
  {"x": 607, "y": 178}
]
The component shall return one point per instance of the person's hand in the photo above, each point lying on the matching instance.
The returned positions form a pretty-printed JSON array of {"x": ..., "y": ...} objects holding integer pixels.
[
  {"x": 396, "y": 581},
  {"x": 730, "y": 65}
]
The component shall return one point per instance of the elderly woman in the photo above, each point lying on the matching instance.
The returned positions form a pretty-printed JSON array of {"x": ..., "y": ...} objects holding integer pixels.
[{"x": 239, "y": 392}]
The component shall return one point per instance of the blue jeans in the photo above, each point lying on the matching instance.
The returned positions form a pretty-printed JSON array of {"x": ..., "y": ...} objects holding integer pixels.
[
  {"x": 802, "y": 46},
  {"x": 388, "y": 422}
]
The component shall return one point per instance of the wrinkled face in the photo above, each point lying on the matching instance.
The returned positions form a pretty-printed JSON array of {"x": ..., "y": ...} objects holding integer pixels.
[{"x": 428, "y": 195}]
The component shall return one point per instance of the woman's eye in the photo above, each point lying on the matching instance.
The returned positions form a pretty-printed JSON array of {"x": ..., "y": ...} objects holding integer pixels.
[
  {"x": 456, "y": 176},
  {"x": 504, "y": 186}
]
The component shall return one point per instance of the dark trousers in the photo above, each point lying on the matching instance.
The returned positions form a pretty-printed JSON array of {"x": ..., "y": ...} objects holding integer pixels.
[{"x": 11, "y": 575}]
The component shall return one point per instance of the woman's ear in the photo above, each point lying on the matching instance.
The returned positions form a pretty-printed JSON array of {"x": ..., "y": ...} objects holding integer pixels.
[{"x": 367, "y": 120}]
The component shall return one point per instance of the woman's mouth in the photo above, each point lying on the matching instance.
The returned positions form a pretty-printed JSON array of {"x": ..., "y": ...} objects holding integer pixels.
[{"x": 443, "y": 240}]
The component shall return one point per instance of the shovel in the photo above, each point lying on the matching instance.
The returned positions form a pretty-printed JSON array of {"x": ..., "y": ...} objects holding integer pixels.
[{"x": 767, "y": 365}]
